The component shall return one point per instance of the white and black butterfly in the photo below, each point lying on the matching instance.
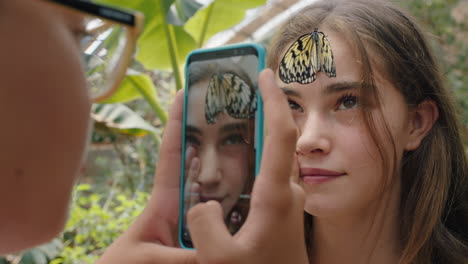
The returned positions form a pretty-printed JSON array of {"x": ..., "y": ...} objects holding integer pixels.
[
  {"x": 229, "y": 93},
  {"x": 309, "y": 54}
]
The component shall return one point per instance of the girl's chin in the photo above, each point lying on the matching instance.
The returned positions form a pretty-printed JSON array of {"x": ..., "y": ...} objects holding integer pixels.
[{"x": 322, "y": 207}]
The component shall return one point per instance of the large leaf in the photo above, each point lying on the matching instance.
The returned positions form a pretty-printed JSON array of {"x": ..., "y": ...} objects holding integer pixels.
[
  {"x": 219, "y": 16},
  {"x": 153, "y": 49},
  {"x": 34, "y": 256},
  {"x": 150, "y": 8},
  {"x": 52, "y": 249},
  {"x": 129, "y": 89},
  {"x": 181, "y": 11},
  {"x": 122, "y": 119}
]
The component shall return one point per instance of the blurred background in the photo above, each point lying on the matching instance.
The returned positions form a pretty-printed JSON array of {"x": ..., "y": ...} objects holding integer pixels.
[{"x": 123, "y": 154}]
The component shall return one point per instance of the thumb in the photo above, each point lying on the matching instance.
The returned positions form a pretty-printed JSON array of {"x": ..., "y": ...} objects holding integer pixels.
[
  {"x": 210, "y": 235},
  {"x": 295, "y": 170}
]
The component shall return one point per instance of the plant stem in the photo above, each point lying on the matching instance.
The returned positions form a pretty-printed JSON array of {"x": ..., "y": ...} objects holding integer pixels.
[
  {"x": 153, "y": 102},
  {"x": 174, "y": 57},
  {"x": 205, "y": 25},
  {"x": 170, "y": 38}
]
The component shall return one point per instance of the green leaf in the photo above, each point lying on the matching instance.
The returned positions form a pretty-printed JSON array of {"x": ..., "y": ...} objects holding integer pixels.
[
  {"x": 57, "y": 261},
  {"x": 129, "y": 89},
  {"x": 181, "y": 11},
  {"x": 219, "y": 16},
  {"x": 33, "y": 256},
  {"x": 154, "y": 50},
  {"x": 83, "y": 187},
  {"x": 150, "y": 8},
  {"x": 121, "y": 119},
  {"x": 152, "y": 43},
  {"x": 52, "y": 249}
]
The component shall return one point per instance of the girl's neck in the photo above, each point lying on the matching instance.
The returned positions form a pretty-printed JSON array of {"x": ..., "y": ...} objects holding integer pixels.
[{"x": 361, "y": 238}]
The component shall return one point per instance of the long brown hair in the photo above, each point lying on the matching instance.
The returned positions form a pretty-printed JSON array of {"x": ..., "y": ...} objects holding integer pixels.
[{"x": 434, "y": 192}]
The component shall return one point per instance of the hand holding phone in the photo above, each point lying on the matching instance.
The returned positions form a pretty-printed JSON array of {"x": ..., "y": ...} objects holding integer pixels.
[{"x": 151, "y": 237}]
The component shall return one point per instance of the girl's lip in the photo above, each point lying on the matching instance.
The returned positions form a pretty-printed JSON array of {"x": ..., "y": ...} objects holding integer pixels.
[{"x": 316, "y": 172}]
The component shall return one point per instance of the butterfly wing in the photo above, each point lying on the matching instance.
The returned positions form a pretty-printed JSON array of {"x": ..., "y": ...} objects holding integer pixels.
[
  {"x": 296, "y": 63},
  {"x": 326, "y": 61},
  {"x": 213, "y": 102},
  {"x": 240, "y": 97},
  {"x": 253, "y": 105}
]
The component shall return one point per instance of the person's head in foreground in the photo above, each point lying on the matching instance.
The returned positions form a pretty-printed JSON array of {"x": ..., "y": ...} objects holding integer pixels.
[{"x": 47, "y": 50}]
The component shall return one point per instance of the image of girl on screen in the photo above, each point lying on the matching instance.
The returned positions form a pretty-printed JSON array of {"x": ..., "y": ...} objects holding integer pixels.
[{"x": 220, "y": 154}]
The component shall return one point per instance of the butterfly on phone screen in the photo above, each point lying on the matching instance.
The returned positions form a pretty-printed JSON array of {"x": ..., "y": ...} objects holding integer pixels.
[
  {"x": 229, "y": 93},
  {"x": 309, "y": 54}
]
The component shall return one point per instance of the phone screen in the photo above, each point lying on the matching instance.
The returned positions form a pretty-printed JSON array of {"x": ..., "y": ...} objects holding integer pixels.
[{"x": 220, "y": 133}]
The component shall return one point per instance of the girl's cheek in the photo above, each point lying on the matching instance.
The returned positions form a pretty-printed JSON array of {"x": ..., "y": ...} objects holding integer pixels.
[
  {"x": 349, "y": 117},
  {"x": 236, "y": 151},
  {"x": 300, "y": 120}
]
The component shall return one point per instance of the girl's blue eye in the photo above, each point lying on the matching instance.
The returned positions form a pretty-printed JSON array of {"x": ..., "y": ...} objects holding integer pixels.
[
  {"x": 348, "y": 102},
  {"x": 294, "y": 106}
]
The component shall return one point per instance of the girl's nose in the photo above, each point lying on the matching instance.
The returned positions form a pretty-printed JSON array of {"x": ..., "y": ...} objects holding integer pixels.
[
  {"x": 210, "y": 174},
  {"x": 314, "y": 136}
]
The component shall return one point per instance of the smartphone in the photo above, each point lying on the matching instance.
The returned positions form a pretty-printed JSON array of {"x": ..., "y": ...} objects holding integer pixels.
[{"x": 222, "y": 132}]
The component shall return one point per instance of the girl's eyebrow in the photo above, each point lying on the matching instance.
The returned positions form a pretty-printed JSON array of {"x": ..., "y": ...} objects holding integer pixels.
[
  {"x": 329, "y": 89},
  {"x": 341, "y": 86},
  {"x": 288, "y": 91}
]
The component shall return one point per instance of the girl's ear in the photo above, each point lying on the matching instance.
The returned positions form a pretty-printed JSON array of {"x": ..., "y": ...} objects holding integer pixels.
[{"x": 421, "y": 121}]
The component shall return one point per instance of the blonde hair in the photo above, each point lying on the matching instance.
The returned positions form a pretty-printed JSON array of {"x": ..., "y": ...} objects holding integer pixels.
[{"x": 434, "y": 195}]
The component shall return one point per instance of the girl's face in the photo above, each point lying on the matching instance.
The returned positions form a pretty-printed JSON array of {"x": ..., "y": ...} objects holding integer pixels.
[
  {"x": 340, "y": 166},
  {"x": 222, "y": 149}
]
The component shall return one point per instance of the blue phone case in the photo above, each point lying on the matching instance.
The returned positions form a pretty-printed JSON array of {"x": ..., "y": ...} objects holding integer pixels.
[{"x": 258, "y": 121}]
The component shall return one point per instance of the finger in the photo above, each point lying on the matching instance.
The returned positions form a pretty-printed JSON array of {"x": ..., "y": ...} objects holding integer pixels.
[
  {"x": 295, "y": 170},
  {"x": 207, "y": 229},
  {"x": 272, "y": 195},
  {"x": 280, "y": 138},
  {"x": 192, "y": 187},
  {"x": 190, "y": 152},
  {"x": 187, "y": 178},
  {"x": 195, "y": 195},
  {"x": 168, "y": 168},
  {"x": 195, "y": 188},
  {"x": 163, "y": 205},
  {"x": 125, "y": 252},
  {"x": 165, "y": 255}
]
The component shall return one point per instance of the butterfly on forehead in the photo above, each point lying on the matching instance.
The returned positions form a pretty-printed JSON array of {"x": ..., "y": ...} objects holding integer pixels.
[
  {"x": 229, "y": 93},
  {"x": 309, "y": 54}
]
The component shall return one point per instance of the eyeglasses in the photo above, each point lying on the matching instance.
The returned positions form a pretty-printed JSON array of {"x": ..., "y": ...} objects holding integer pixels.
[{"x": 107, "y": 44}]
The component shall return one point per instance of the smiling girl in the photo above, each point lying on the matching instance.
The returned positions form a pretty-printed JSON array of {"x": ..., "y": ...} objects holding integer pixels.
[{"x": 379, "y": 152}]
